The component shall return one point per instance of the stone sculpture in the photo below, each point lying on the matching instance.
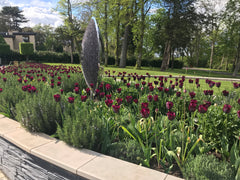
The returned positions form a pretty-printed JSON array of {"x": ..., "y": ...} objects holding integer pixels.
[{"x": 91, "y": 51}]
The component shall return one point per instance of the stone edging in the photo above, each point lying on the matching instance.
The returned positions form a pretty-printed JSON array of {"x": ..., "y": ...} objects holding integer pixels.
[{"x": 85, "y": 163}]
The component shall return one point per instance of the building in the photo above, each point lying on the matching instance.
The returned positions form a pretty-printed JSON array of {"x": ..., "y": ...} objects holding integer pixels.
[{"x": 14, "y": 38}]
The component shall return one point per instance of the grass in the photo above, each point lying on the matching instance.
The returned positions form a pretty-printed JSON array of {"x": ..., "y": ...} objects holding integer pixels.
[{"x": 226, "y": 85}]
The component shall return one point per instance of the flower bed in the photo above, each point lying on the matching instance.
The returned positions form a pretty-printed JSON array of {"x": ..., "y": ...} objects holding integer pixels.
[{"x": 157, "y": 122}]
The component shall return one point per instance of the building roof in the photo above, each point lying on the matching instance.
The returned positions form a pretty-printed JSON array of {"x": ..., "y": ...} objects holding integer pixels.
[{"x": 8, "y": 35}]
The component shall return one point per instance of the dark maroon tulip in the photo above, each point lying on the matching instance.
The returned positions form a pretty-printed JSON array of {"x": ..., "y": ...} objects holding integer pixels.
[
  {"x": 91, "y": 85},
  {"x": 211, "y": 84},
  {"x": 144, "y": 105},
  {"x": 166, "y": 90},
  {"x": 151, "y": 88},
  {"x": 52, "y": 85},
  {"x": 178, "y": 94},
  {"x": 202, "y": 108},
  {"x": 171, "y": 115},
  {"x": 160, "y": 88},
  {"x": 59, "y": 83},
  {"x": 227, "y": 108},
  {"x": 136, "y": 86},
  {"x": 192, "y": 107},
  {"x": 180, "y": 85},
  {"x": 116, "y": 108},
  {"x": 102, "y": 94},
  {"x": 143, "y": 83},
  {"x": 169, "y": 105},
  {"x": 108, "y": 87},
  {"x": 135, "y": 100},
  {"x": 225, "y": 93},
  {"x": 128, "y": 85},
  {"x": 239, "y": 101},
  {"x": 193, "y": 101},
  {"x": 4, "y": 79},
  {"x": 57, "y": 97},
  {"x": 61, "y": 90},
  {"x": 119, "y": 101},
  {"x": 119, "y": 90},
  {"x": 52, "y": 80},
  {"x": 76, "y": 84},
  {"x": 192, "y": 94},
  {"x": 210, "y": 92},
  {"x": 149, "y": 84},
  {"x": 156, "y": 82},
  {"x": 20, "y": 80},
  {"x": 197, "y": 81},
  {"x": 198, "y": 85},
  {"x": 145, "y": 112},
  {"x": 83, "y": 98},
  {"x": 161, "y": 84},
  {"x": 68, "y": 76},
  {"x": 129, "y": 99},
  {"x": 238, "y": 113},
  {"x": 218, "y": 84},
  {"x": 108, "y": 96},
  {"x": 59, "y": 78},
  {"x": 155, "y": 98},
  {"x": 109, "y": 102},
  {"x": 150, "y": 98},
  {"x": 172, "y": 86},
  {"x": 87, "y": 91},
  {"x": 190, "y": 81},
  {"x": 71, "y": 99},
  {"x": 235, "y": 85},
  {"x": 1, "y": 89}
]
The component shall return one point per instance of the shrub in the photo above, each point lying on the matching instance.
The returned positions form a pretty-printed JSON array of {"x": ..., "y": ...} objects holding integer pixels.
[
  {"x": 26, "y": 48},
  {"x": 207, "y": 167},
  {"x": 82, "y": 127},
  {"x": 39, "y": 112},
  {"x": 4, "y": 49},
  {"x": 129, "y": 151}
]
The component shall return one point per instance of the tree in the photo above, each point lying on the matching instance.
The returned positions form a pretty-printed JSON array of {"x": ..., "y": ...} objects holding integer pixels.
[
  {"x": 12, "y": 17},
  {"x": 178, "y": 27},
  {"x": 232, "y": 20}
]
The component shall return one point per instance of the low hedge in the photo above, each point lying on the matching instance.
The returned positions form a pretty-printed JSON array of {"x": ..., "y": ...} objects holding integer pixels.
[{"x": 148, "y": 63}]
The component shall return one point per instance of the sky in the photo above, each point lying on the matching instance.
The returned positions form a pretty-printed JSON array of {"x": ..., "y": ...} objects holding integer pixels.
[
  {"x": 41, "y": 11},
  {"x": 36, "y": 11}
]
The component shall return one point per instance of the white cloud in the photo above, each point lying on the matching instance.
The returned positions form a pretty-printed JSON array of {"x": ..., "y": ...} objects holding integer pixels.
[{"x": 36, "y": 11}]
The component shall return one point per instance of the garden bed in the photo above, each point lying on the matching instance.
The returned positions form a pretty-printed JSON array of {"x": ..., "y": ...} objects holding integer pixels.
[{"x": 163, "y": 122}]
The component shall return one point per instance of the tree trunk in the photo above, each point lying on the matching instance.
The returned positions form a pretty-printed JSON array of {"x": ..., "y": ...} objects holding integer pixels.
[
  {"x": 71, "y": 50},
  {"x": 172, "y": 65},
  {"x": 166, "y": 56},
  {"x": 211, "y": 56},
  {"x": 117, "y": 36},
  {"x": 197, "y": 48},
  {"x": 124, "y": 47},
  {"x": 237, "y": 64},
  {"x": 140, "y": 44},
  {"x": 221, "y": 62},
  {"x": 106, "y": 32}
]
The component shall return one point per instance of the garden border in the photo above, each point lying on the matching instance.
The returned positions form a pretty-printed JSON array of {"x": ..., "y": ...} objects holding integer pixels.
[{"x": 84, "y": 163}]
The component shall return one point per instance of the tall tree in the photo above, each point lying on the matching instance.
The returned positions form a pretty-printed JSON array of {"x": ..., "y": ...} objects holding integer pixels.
[
  {"x": 232, "y": 20},
  {"x": 13, "y": 17},
  {"x": 178, "y": 26}
]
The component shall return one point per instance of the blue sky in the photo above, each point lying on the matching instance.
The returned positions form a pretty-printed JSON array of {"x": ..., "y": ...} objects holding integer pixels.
[{"x": 36, "y": 11}]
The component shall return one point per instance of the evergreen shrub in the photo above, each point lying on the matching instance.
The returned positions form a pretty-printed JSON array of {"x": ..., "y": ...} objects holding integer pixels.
[
  {"x": 207, "y": 167},
  {"x": 39, "y": 112},
  {"x": 26, "y": 48}
]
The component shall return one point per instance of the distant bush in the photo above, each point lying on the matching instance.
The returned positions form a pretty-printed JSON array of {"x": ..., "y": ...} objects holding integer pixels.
[
  {"x": 4, "y": 49},
  {"x": 26, "y": 48},
  {"x": 54, "y": 57},
  {"x": 147, "y": 63}
]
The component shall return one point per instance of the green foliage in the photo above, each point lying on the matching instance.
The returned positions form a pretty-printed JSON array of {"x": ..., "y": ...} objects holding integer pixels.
[
  {"x": 39, "y": 112},
  {"x": 26, "y": 48},
  {"x": 2, "y": 41},
  {"x": 207, "y": 167},
  {"x": 82, "y": 127},
  {"x": 129, "y": 150},
  {"x": 4, "y": 49}
]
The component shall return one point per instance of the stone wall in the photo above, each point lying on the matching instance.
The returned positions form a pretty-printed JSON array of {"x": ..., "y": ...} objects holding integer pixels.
[{"x": 20, "y": 165}]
